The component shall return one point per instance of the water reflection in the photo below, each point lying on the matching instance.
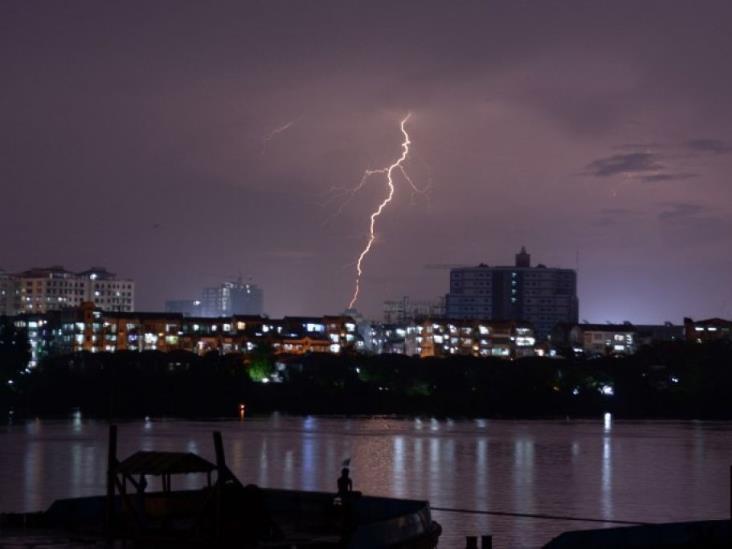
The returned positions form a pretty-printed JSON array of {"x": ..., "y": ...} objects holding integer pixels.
[
  {"x": 309, "y": 449},
  {"x": 288, "y": 471},
  {"x": 481, "y": 474},
  {"x": 33, "y": 470},
  {"x": 600, "y": 468},
  {"x": 607, "y": 477},
  {"x": 263, "y": 478},
  {"x": 398, "y": 469},
  {"x": 76, "y": 421}
]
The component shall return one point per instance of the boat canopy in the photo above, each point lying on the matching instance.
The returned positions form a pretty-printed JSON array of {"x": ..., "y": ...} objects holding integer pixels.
[{"x": 164, "y": 463}]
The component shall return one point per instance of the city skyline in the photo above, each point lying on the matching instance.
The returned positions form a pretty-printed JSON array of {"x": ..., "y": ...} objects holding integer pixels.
[{"x": 193, "y": 143}]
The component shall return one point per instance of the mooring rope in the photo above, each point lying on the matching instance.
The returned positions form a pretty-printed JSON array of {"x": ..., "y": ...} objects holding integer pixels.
[{"x": 536, "y": 516}]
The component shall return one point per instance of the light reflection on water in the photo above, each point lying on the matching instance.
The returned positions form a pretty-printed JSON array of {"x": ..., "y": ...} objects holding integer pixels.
[{"x": 646, "y": 471}]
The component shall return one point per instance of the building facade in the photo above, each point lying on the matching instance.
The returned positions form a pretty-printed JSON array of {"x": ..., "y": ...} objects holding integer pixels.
[
  {"x": 9, "y": 295},
  {"x": 42, "y": 290},
  {"x": 92, "y": 329},
  {"x": 540, "y": 295},
  {"x": 406, "y": 309},
  {"x": 612, "y": 339},
  {"x": 604, "y": 339},
  {"x": 438, "y": 337},
  {"x": 710, "y": 329}
]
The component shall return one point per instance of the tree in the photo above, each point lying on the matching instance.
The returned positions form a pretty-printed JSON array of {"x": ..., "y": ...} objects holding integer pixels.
[
  {"x": 260, "y": 362},
  {"x": 14, "y": 357},
  {"x": 15, "y": 352}
]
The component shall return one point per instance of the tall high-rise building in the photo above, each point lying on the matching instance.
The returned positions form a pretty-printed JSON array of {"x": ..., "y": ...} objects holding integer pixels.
[
  {"x": 541, "y": 295},
  {"x": 232, "y": 298},
  {"x": 54, "y": 288}
]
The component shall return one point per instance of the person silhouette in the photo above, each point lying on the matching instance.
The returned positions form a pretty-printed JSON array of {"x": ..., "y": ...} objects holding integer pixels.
[{"x": 345, "y": 484}]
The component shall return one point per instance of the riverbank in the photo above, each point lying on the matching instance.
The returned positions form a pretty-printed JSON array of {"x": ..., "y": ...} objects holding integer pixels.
[{"x": 673, "y": 381}]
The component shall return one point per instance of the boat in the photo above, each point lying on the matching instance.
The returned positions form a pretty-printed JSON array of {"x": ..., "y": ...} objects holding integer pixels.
[
  {"x": 707, "y": 534},
  {"x": 225, "y": 513}
]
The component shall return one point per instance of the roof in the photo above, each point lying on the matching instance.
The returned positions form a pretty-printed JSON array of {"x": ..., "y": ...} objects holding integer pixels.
[
  {"x": 304, "y": 319},
  {"x": 710, "y": 322},
  {"x": 250, "y": 318},
  {"x": 159, "y": 463},
  {"x": 46, "y": 272},
  {"x": 142, "y": 316},
  {"x": 100, "y": 273},
  {"x": 607, "y": 327},
  {"x": 516, "y": 268}
]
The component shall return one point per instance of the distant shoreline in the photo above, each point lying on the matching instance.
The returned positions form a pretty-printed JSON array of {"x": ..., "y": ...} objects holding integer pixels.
[
  {"x": 678, "y": 381},
  {"x": 397, "y": 417}
]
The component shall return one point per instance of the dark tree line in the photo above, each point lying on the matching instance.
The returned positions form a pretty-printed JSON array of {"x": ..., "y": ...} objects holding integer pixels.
[
  {"x": 670, "y": 380},
  {"x": 14, "y": 356}
]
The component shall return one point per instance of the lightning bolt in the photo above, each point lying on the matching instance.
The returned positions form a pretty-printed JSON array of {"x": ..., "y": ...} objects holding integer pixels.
[
  {"x": 273, "y": 133},
  {"x": 388, "y": 172}
]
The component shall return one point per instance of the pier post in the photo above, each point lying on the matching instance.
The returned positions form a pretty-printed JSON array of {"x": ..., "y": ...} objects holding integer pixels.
[
  {"x": 219, "y": 449},
  {"x": 221, "y": 474},
  {"x": 111, "y": 473},
  {"x": 471, "y": 542},
  {"x": 486, "y": 542}
]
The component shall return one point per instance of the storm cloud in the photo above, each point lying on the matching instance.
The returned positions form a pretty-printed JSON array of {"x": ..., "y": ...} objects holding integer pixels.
[
  {"x": 714, "y": 146},
  {"x": 630, "y": 163},
  {"x": 131, "y": 136}
]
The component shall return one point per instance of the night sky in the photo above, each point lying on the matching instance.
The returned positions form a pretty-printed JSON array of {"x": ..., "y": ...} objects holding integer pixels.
[{"x": 134, "y": 135}]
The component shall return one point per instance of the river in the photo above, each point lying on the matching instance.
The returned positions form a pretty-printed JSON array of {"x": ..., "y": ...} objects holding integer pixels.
[{"x": 648, "y": 471}]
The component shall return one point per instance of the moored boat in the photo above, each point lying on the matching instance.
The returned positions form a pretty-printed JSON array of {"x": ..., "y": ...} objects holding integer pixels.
[
  {"x": 225, "y": 512},
  {"x": 708, "y": 534}
]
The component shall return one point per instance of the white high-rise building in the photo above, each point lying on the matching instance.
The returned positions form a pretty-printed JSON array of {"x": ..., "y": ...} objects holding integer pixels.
[
  {"x": 232, "y": 298},
  {"x": 54, "y": 288}
]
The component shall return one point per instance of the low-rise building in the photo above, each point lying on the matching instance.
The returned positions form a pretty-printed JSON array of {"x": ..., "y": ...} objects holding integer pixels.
[
  {"x": 438, "y": 337},
  {"x": 649, "y": 334},
  {"x": 603, "y": 339},
  {"x": 89, "y": 328},
  {"x": 710, "y": 329},
  {"x": 387, "y": 339},
  {"x": 607, "y": 339}
]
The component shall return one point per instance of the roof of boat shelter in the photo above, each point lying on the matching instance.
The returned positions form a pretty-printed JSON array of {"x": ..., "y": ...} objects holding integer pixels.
[{"x": 164, "y": 463}]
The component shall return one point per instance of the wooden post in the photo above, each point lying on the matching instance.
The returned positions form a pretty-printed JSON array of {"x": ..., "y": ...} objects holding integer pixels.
[
  {"x": 111, "y": 472},
  {"x": 471, "y": 542},
  {"x": 486, "y": 542},
  {"x": 220, "y": 458},
  {"x": 220, "y": 478}
]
